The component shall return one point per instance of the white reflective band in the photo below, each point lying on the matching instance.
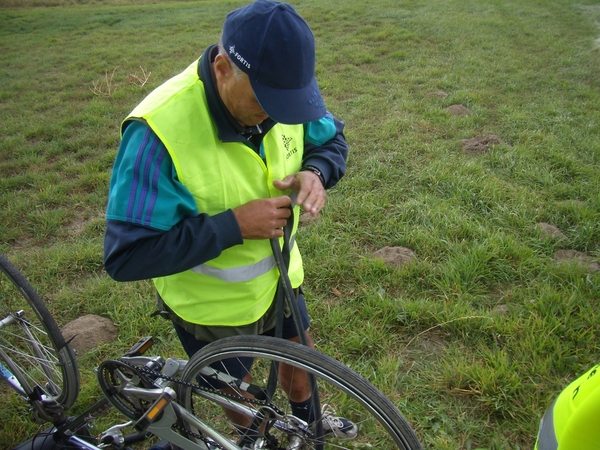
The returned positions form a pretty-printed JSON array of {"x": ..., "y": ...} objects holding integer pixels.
[{"x": 240, "y": 273}]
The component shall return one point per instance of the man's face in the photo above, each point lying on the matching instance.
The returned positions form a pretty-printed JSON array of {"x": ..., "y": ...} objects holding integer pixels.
[{"x": 237, "y": 94}]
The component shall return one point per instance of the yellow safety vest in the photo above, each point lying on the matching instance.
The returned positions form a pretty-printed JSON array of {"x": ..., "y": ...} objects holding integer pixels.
[
  {"x": 237, "y": 287},
  {"x": 572, "y": 422}
]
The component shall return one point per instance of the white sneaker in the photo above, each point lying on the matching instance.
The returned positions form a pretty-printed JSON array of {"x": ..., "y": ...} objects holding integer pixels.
[{"x": 337, "y": 426}]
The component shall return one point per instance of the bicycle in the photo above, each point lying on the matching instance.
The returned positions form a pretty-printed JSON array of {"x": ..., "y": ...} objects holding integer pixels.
[{"x": 188, "y": 402}]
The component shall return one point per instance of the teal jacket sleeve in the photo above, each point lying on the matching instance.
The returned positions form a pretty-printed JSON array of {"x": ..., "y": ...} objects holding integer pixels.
[{"x": 325, "y": 148}]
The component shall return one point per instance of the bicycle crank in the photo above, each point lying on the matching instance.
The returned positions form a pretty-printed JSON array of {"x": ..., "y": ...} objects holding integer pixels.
[{"x": 127, "y": 388}]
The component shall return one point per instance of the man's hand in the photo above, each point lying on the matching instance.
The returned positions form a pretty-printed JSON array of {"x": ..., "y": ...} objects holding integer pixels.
[
  {"x": 263, "y": 218},
  {"x": 311, "y": 193}
]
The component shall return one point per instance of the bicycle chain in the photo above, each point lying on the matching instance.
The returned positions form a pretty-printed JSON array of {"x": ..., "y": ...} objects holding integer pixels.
[{"x": 238, "y": 398}]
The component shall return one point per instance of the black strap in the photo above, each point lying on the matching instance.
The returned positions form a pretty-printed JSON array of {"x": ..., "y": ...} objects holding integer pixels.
[{"x": 285, "y": 291}]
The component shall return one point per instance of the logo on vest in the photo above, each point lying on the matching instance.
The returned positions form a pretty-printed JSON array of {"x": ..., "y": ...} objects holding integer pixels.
[
  {"x": 286, "y": 143},
  {"x": 239, "y": 57}
]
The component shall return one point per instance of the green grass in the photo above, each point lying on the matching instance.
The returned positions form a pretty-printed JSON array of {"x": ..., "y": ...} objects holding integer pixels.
[{"x": 472, "y": 339}]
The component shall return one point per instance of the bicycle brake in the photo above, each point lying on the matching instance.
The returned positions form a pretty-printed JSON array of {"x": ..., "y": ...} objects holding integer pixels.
[{"x": 113, "y": 436}]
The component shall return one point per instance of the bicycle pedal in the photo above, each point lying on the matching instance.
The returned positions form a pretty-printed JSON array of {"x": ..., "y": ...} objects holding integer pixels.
[
  {"x": 155, "y": 411},
  {"x": 140, "y": 347}
]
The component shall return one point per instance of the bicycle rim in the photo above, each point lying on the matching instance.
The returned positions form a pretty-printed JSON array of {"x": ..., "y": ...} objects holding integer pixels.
[
  {"x": 345, "y": 394},
  {"x": 32, "y": 346}
]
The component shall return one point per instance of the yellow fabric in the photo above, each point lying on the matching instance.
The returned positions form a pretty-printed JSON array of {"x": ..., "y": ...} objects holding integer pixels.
[
  {"x": 574, "y": 418},
  {"x": 216, "y": 175},
  {"x": 577, "y": 413}
]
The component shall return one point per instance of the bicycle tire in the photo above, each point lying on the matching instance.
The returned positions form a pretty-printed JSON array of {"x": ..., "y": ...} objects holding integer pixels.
[
  {"x": 380, "y": 423},
  {"x": 33, "y": 348}
]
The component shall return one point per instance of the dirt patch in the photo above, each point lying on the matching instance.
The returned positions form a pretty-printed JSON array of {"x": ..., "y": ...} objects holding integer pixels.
[
  {"x": 438, "y": 94},
  {"x": 480, "y": 144},
  {"x": 88, "y": 332},
  {"x": 307, "y": 218},
  {"x": 432, "y": 342},
  {"x": 501, "y": 310},
  {"x": 550, "y": 231},
  {"x": 395, "y": 256},
  {"x": 573, "y": 256},
  {"x": 459, "y": 110},
  {"x": 426, "y": 346}
]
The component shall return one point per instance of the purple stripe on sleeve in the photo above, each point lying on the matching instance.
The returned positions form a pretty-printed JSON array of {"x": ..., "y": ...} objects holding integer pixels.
[
  {"x": 145, "y": 180},
  {"x": 136, "y": 175},
  {"x": 154, "y": 194}
]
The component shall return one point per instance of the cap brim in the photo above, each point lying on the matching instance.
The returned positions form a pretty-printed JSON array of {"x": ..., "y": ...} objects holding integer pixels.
[{"x": 291, "y": 106}]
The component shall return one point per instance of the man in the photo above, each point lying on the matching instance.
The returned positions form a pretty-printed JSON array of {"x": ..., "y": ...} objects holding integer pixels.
[
  {"x": 571, "y": 422},
  {"x": 204, "y": 176}
]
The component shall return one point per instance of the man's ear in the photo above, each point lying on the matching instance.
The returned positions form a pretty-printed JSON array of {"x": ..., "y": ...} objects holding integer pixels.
[{"x": 222, "y": 67}]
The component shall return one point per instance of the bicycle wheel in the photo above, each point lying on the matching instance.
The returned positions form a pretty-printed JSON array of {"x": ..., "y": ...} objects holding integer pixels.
[
  {"x": 215, "y": 395},
  {"x": 37, "y": 362}
]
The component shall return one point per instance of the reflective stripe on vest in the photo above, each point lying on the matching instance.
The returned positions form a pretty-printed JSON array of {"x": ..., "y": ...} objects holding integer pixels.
[
  {"x": 242, "y": 273},
  {"x": 546, "y": 436}
]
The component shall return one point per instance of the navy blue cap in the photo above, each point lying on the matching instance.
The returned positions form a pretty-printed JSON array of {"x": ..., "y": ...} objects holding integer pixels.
[{"x": 274, "y": 46}]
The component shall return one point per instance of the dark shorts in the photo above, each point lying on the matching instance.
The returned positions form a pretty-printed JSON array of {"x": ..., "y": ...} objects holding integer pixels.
[{"x": 240, "y": 367}]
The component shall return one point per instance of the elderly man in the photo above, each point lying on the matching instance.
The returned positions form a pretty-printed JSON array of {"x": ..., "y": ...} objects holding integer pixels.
[{"x": 204, "y": 176}]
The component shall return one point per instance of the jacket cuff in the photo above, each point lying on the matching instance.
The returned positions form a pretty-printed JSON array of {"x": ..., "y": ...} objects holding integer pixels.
[
  {"x": 228, "y": 229},
  {"x": 322, "y": 172}
]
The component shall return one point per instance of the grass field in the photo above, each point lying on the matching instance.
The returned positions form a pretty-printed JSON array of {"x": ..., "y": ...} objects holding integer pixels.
[{"x": 474, "y": 336}]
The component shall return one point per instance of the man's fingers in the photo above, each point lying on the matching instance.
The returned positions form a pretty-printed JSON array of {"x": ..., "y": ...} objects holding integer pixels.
[
  {"x": 287, "y": 183},
  {"x": 263, "y": 218}
]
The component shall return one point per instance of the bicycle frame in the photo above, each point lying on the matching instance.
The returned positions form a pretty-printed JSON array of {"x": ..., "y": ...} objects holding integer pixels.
[
  {"x": 169, "y": 412},
  {"x": 160, "y": 418}
]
